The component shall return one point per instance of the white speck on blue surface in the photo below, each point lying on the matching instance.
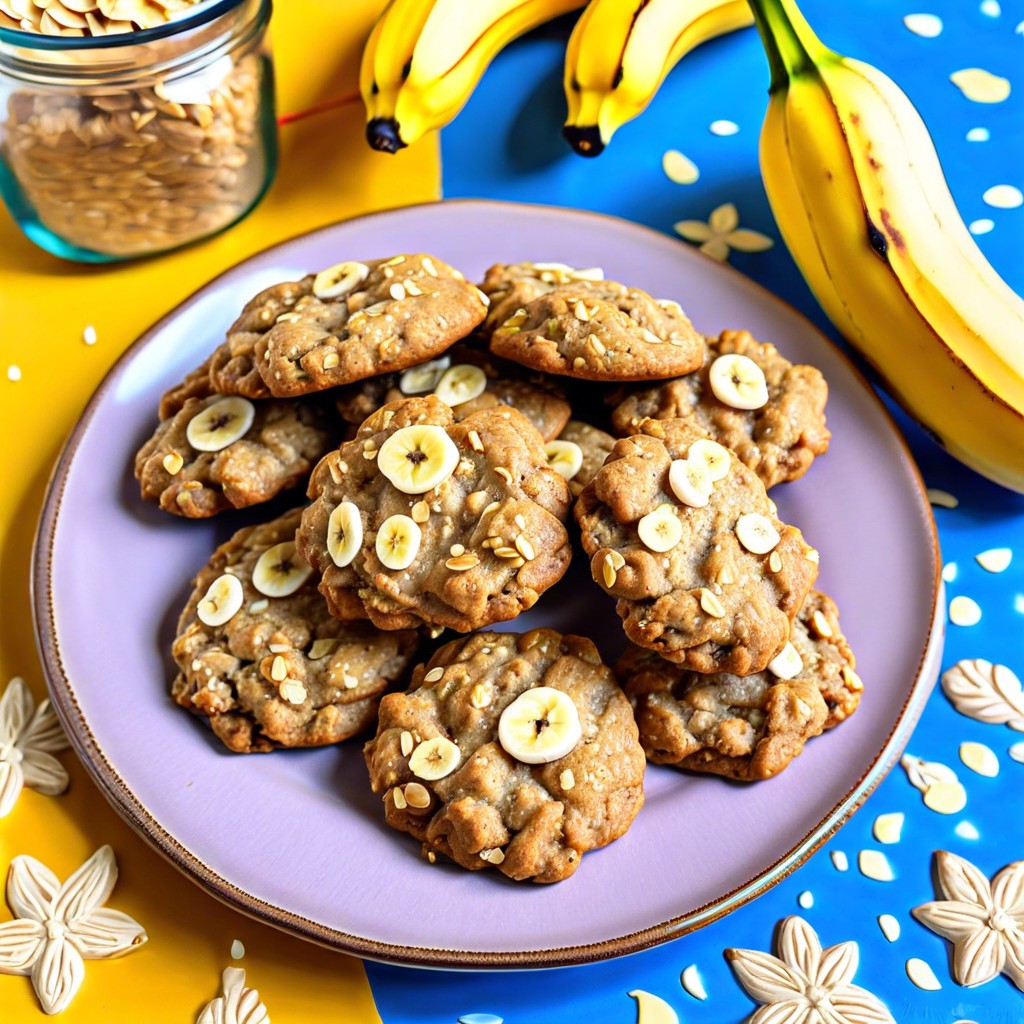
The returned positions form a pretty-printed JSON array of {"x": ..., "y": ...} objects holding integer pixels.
[
  {"x": 981, "y": 226},
  {"x": 723, "y": 127},
  {"x": 978, "y": 135}
]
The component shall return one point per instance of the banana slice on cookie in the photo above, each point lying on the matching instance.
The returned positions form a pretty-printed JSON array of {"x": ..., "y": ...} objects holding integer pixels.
[
  {"x": 737, "y": 381},
  {"x": 220, "y": 424},
  {"x": 690, "y": 481},
  {"x": 462, "y": 383},
  {"x": 344, "y": 534},
  {"x": 339, "y": 280},
  {"x": 418, "y": 458},
  {"x": 714, "y": 456},
  {"x": 423, "y": 378},
  {"x": 280, "y": 570},
  {"x": 661, "y": 529},
  {"x": 539, "y": 726},
  {"x": 398, "y": 542},
  {"x": 564, "y": 457},
  {"x": 221, "y": 601}
]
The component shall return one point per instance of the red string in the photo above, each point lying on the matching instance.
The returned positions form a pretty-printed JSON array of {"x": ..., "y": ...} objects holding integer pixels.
[{"x": 318, "y": 108}]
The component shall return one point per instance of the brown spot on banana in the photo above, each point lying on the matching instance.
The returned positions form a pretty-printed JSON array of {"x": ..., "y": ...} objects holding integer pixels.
[{"x": 891, "y": 230}]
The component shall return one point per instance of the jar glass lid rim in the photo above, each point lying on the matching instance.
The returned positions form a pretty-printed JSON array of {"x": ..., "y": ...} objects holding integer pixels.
[{"x": 202, "y": 13}]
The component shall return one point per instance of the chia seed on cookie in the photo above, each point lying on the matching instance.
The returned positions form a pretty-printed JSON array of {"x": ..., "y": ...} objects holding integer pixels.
[
  {"x": 704, "y": 572},
  {"x": 426, "y": 520},
  {"x": 281, "y": 671},
  {"x": 778, "y": 441},
  {"x": 745, "y": 727},
  {"x": 440, "y": 755}
]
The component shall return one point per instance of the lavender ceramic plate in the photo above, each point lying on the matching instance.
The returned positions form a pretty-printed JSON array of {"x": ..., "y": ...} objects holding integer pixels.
[{"x": 297, "y": 839}]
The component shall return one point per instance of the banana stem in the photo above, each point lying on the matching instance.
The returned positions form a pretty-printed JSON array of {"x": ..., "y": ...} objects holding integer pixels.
[{"x": 791, "y": 45}]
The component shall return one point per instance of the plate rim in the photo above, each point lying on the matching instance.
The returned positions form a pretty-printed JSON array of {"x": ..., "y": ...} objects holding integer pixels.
[{"x": 128, "y": 806}]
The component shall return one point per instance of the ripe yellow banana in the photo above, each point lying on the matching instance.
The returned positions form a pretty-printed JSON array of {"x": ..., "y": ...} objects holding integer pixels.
[
  {"x": 858, "y": 193},
  {"x": 620, "y": 52},
  {"x": 425, "y": 57}
]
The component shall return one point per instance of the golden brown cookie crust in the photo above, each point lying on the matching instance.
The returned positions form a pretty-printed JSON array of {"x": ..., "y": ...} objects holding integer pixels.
[
  {"x": 591, "y": 330},
  {"x": 530, "y": 821},
  {"x": 285, "y": 440},
  {"x": 538, "y": 398},
  {"x": 778, "y": 441},
  {"x": 331, "y": 673},
  {"x": 661, "y": 595},
  {"x": 409, "y": 309},
  {"x": 744, "y": 727},
  {"x": 503, "y": 507}
]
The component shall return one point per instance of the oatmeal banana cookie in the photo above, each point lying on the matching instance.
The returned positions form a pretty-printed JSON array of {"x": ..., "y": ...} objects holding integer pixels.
[
  {"x": 777, "y": 439},
  {"x": 468, "y": 380},
  {"x": 425, "y": 520},
  {"x": 683, "y": 534},
  {"x": 745, "y": 727},
  {"x": 594, "y": 330},
  {"x": 260, "y": 655},
  {"x": 351, "y": 321},
  {"x": 218, "y": 452},
  {"x": 578, "y": 453},
  {"x": 510, "y": 750}
]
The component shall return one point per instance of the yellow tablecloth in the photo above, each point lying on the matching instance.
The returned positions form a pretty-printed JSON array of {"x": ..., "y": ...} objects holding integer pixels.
[{"x": 326, "y": 173}]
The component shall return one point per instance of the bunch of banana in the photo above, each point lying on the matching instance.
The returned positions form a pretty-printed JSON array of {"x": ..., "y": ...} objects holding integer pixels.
[
  {"x": 425, "y": 57},
  {"x": 620, "y": 52},
  {"x": 858, "y": 193}
]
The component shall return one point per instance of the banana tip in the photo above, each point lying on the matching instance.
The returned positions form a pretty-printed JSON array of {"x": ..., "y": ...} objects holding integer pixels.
[
  {"x": 585, "y": 139},
  {"x": 383, "y": 134}
]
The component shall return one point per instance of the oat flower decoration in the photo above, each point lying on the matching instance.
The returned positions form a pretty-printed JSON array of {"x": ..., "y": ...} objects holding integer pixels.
[
  {"x": 805, "y": 984},
  {"x": 722, "y": 233},
  {"x": 985, "y": 922},
  {"x": 238, "y": 1004},
  {"x": 29, "y": 736},
  {"x": 58, "y": 927}
]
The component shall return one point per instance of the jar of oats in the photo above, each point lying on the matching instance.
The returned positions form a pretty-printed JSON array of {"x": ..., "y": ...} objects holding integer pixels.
[{"x": 119, "y": 140}]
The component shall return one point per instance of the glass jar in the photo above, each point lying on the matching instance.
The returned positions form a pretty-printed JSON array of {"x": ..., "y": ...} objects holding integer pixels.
[{"x": 126, "y": 145}]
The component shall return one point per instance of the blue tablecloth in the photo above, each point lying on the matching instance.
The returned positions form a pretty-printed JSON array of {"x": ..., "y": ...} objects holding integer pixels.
[{"x": 507, "y": 144}]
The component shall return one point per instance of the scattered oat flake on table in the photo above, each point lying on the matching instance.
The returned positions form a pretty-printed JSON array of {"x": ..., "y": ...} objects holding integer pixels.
[
  {"x": 1018, "y": 603},
  {"x": 991, "y": 8},
  {"x": 57, "y": 927},
  {"x": 1017, "y": 752},
  {"x": 928, "y": 26},
  {"x": 692, "y": 982},
  {"x": 1003, "y": 197},
  {"x": 651, "y": 1009},
  {"x": 946, "y": 797},
  {"x": 723, "y": 128},
  {"x": 964, "y": 611},
  {"x": 890, "y": 926},
  {"x": 14, "y": 373},
  {"x": 29, "y": 737},
  {"x": 994, "y": 559},
  {"x": 981, "y": 86},
  {"x": 887, "y": 827},
  {"x": 923, "y": 774},
  {"x": 921, "y": 974},
  {"x": 965, "y": 830},
  {"x": 980, "y": 759},
  {"x": 792, "y": 985},
  {"x": 949, "y": 571},
  {"x": 985, "y": 691},
  {"x": 679, "y": 168},
  {"x": 237, "y": 949},
  {"x": 806, "y": 899},
  {"x": 981, "y": 226},
  {"x": 89, "y": 335},
  {"x": 983, "y": 920},
  {"x": 839, "y": 860},
  {"x": 943, "y": 499},
  {"x": 237, "y": 1004},
  {"x": 479, "y": 1018},
  {"x": 722, "y": 233},
  {"x": 875, "y": 865},
  {"x": 978, "y": 135}
]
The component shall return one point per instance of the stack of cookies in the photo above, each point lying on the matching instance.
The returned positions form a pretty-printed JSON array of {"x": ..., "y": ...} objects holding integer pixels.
[{"x": 432, "y": 423}]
